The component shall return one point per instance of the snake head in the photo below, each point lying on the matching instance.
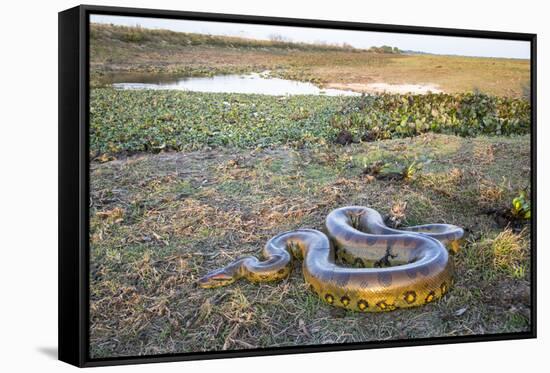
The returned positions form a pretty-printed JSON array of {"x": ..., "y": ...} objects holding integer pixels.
[{"x": 217, "y": 278}]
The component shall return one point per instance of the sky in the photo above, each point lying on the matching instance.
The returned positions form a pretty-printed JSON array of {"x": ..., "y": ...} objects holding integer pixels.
[{"x": 359, "y": 39}]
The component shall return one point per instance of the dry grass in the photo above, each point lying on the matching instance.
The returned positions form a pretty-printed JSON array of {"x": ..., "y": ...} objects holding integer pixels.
[
  {"x": 158, "y": 222},
  {"x": 510, "y": 251},
  {"x": 490, "y": 194},
  {"x": 499, "y": 254},
  {"x": 458, "y": 74}
]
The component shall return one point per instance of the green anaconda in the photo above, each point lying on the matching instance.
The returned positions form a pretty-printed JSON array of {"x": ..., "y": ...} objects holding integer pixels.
[{"x": 392, "y": 268}]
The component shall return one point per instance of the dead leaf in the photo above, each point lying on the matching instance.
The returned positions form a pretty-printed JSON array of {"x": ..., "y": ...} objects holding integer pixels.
[
  {"x": 461, "y": 311},
  {"x": 302, "y": 326}
]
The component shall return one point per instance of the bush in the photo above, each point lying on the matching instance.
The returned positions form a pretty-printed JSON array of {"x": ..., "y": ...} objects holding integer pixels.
[{"x": 469, "y": 114}]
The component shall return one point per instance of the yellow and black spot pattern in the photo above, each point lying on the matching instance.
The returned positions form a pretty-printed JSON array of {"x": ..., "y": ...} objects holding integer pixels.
[
  {"x": 362, "y": 305},
  {"x": 430, "y": 297},
  {"x": 345, "y": 300},
  {"x": 410, "y": 297}
]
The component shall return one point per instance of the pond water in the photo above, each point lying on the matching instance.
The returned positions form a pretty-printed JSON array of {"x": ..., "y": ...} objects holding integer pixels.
[{"x": 259, "y": 83}]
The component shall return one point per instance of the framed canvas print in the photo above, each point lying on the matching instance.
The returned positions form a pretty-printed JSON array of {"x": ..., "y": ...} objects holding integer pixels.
[{"x": 237, "y": 185}]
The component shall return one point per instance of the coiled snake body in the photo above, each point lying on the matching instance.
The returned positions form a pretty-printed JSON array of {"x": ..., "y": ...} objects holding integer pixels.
[{"x": 398, "y": 268}]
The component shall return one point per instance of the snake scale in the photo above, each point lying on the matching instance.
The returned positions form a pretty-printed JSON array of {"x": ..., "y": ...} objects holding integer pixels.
[{"x": 390, "y": 268}]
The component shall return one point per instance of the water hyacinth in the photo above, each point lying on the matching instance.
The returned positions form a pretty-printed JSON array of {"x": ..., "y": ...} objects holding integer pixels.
[{"x": 152, "y": 121}]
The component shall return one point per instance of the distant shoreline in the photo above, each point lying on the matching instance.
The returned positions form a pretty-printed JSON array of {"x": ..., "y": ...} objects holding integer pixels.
[{"x": 118, "y": 49}]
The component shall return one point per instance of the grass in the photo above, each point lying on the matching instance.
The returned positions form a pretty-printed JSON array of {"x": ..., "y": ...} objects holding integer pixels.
[
  {"x": 160, "y": 221},
  {"x": 509, "y": 253},
  {"x": 499, "y": 254},
  {"x": 129, "y": 121},
  {"x": 116, "y": 50},
  {"x": 102, "y": 33}
]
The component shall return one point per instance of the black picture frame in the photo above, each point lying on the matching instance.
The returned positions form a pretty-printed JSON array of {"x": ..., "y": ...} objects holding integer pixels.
[{"x": 74, "y": 182}]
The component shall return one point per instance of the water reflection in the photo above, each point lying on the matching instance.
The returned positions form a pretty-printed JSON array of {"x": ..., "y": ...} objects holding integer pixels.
[{"x": 258, "y": 83}]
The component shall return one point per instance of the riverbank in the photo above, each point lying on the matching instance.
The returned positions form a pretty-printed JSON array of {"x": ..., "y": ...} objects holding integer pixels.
[{"x": 116, "y": 49}]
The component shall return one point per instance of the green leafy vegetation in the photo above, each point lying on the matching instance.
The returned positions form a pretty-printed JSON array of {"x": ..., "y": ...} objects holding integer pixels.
[
  {"x": 469, "y": 114},
  {"x": 411, "y": 170},
  {"x": 521, "y": 207},
  {"x": 385, "y": 49},
  {"x": 126, "y": 121}
]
